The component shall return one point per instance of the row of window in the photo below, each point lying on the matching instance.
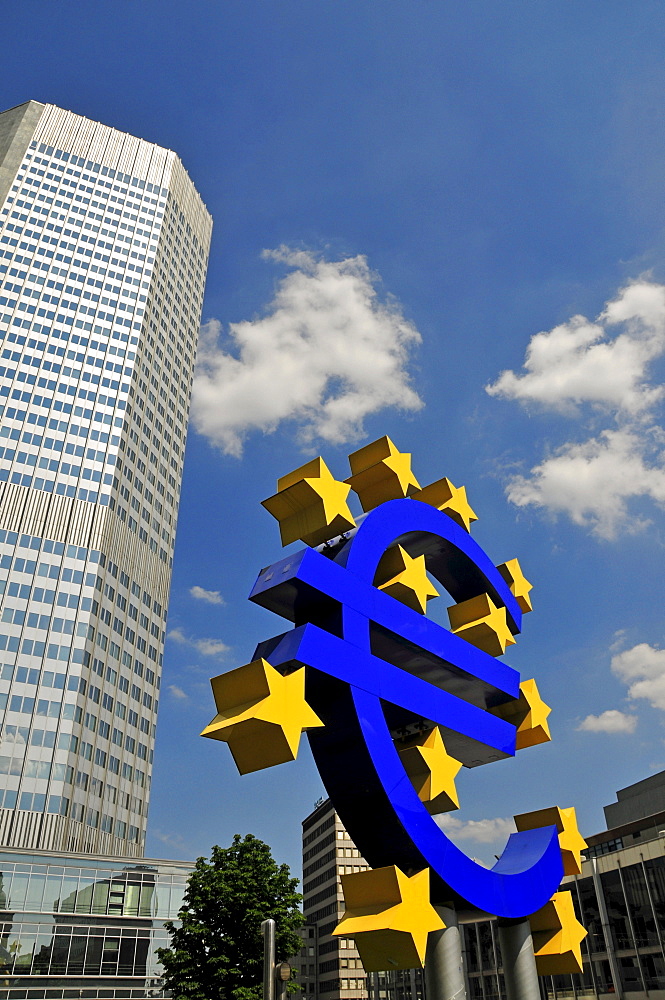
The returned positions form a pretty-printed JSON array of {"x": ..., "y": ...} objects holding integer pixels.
[
  {"x": 96, "y": 168},
  {"x": 122, "y": 580}
]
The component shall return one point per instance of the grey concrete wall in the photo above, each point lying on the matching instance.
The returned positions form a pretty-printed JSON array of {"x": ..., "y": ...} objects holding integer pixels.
[
  {"x": 637, "y": 801},
  {"x": 17, "y": 127}
]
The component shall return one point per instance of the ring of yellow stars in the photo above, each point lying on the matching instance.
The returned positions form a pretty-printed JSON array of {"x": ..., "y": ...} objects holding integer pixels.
[
  {"x": 380, "y": 472},
  {"x": 512, "y": 573},
  {"x": 557, "y": 937},
  {"x": 571, "y": 841},
  {"x": 481, "y": 623},
  {"x": 451, "y": 500},
  {"x": 405, "y": 579},
  {"x": 389, "y": 915},
  {"x": 310, "y": 505},
  {"x": 431, "y": 769},
  {"x": 528, "y": 714},
  {"x": 261, "y": 714}
]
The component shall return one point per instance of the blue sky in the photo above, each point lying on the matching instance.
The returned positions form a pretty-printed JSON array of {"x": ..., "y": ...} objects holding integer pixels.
[{"x": 450, "y": 181}]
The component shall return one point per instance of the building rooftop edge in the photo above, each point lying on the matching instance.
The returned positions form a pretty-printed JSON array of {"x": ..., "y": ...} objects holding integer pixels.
[
  {"x": 122, "y": 132},
  {"x": 318, "y": 809},
  {"x": 79, "y": 855}
]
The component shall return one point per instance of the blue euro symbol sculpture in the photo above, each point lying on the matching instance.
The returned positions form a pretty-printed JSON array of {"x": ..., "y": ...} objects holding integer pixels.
[{"x": 375, "y": 667}]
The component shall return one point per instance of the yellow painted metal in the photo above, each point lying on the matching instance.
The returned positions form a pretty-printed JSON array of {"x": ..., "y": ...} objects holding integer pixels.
[
  {"x": 529, "y": 714},
  {"x": 261, "y": 714},
  {"x": 481, "y": 623},
  {"x": 571, "y": 841},
  {"x": 451, "y": 500},
  {"x": 405, "y": 578},
  {"x": 389, "y": 915},
  {"x": 520, "y": 587},
  {"x": 310, "y": 505},
  {"x": 380, "y": 472},
  {"x": 431, "y": 769},
  {"x": 557, "y": 937}
]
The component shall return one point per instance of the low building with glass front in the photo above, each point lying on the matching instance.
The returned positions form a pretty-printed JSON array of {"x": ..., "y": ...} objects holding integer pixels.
[{"x": 84, "y": 926}]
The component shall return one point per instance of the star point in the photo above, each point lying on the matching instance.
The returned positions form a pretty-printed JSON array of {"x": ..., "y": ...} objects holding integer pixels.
[
  {"x": 405, "y": 579},
  {"x": 261, "y": 714},
  {"x": 310, "y": 505},
  {"x": 520, "y": 587},
  {"x": 380, "y": 472},
  {"x": 528, "y": 713},
  {"x": 390, "y": 916},
  {"x": 432, "y": 770},
  {"x": 557, "y": 937},
  {"x": 452, "y": 500},
  {"x": 481, "y": 623},
  {"x": 571, "y": 841}
]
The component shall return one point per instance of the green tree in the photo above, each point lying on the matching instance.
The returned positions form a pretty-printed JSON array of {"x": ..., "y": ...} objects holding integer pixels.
[{"x": 217, "y": 951}]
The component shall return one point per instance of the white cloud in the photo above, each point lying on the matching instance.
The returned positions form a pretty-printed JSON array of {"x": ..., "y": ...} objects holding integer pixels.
[
  {"x": 211, "y": 596},
  {"x": 177, "y": 635},
  {"x": 178, "y": 692},
  {"x": 327, "y": 353},
  {"x": 480, "y": 831},
  {"x": 611, "y": 721},
  {"x": 210, "y": 647},
  {"x": 593, "y": 480},
  {"x": 173, "y": 840},
  {"x": 579, "y": 362},
  {"x": 207, "y": 647},
  {"x": 643, "y": 669}
]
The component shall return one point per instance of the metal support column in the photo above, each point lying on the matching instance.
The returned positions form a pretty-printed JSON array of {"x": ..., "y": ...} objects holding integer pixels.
[
  {"x": 444, "y": 970},
  {"x": 654, "y": 915},
  {"x": 519, "y": 963},
  {"x": 631, "y": 928},
  {"x": 607, "y": 931},
  {"x": 269, "y": 984}
]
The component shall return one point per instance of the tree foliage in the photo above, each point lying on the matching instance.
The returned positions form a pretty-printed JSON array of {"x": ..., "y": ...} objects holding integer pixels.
[{"x": 217, "y": 951}]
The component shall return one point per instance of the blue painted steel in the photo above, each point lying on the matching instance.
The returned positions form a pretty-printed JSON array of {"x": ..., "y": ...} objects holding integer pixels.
[
  {"x": 310, "y": 645},
  {"x": 375, "y": 665},
  {"x": 309, "y": 576}
]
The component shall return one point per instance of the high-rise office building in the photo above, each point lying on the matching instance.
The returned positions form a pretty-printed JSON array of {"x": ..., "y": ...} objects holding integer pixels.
[
  {"x": 103, "y": 253},
  {"x": 329, "y": 967}
]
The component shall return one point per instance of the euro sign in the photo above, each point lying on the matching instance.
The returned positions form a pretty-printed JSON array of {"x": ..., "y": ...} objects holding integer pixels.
[{"x": 377, "y": 668}]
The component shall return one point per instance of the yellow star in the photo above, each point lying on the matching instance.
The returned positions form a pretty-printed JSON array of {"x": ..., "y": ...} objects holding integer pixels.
[
  {"x": 512, "y": 573},
  {"x": 310, "y": 505},
  {"x": 451, "y": 500},
  {"x": 529, "y": 714},
  {"x": 405, "y": 579},
  {"x": 481, "y": 623},
  {"x": 261, "y": 714},
  {"x": 389, "y": 915},
  {"x": 571, "y": 841},
  {"x": 432, "y": 770},
  {"x": 380, "y": 472},
  {"x": 557, "y": 937}
]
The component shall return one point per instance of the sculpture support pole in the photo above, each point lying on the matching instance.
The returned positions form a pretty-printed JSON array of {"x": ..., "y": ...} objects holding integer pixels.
[
  {"x": 444, "y": 971},
  {"x": 519, "y": 963},
  {"x": 268, "y": 932}
]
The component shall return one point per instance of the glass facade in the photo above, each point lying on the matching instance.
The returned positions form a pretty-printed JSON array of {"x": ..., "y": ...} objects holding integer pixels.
[
  {"x": 628, "y": 956},
  {"x": 75, "y": 926},
  {"x": 103, "y": 253}
]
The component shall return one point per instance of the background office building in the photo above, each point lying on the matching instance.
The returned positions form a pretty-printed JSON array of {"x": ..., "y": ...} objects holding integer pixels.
[
  {"x": 619, "y": 897},
  {"x": 328, "y": 966},
  {"x": 103, "y": 253}
]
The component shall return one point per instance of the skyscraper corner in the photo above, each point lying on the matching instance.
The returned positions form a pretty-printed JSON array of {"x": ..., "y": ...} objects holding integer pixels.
[{"x": 104, "y": 245}]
